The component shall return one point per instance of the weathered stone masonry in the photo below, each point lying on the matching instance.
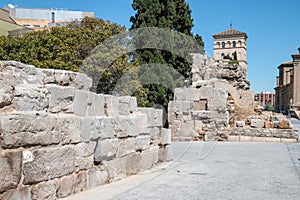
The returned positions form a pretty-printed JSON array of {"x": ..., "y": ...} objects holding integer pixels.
[
  {"x": 220, "y": 106},
  {"x": 57, "y": 138}
]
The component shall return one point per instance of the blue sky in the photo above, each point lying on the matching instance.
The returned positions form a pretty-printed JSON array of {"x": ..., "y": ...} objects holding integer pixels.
[{"x": 273, "y": 27}]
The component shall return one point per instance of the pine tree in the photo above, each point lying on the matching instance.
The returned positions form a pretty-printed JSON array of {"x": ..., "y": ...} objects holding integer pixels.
[{"x": 173, "y": 15}]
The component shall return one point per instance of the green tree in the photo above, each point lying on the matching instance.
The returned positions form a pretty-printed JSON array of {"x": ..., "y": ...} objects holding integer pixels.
[{"x": 174, "y": 15}]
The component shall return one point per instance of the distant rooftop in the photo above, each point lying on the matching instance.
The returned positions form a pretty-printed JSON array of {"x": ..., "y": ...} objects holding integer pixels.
[
  {"x": 48, "y": 13},
  {"x": 230, "y": 32}
]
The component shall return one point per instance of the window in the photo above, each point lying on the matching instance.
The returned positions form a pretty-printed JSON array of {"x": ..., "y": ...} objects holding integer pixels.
[
  {"x": 53, "y": 17},
  {"x": 223, "y": 45},
  {"x": 218, "y": 44},
  {"x": 222, "y": 56},
  {"x": 26, "y": 25},
  {"x": 240, "y": 43},
  {"x": 234, "y": 44},
  {"x": 36, "y": 26}
]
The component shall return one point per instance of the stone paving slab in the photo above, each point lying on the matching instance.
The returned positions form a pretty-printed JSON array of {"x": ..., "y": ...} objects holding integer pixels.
[{"x": 213, "y": 171}]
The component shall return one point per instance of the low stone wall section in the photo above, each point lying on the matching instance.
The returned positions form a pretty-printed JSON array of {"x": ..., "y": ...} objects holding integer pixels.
[{"x": 58, "y": 138}]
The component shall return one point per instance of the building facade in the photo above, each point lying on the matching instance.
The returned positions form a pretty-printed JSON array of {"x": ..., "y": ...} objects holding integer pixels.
[
  {"x": 265, "y": 98},
  {"x": 231, "y": 43},
  {"x": 37, "y": 18},
  {"x": 8, "y": 25},
  {"x": 287, "y": 91}
]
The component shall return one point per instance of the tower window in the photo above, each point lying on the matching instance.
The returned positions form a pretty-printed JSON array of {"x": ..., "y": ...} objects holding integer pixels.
[
  {"x": 53, "y": 17},
  {"x": 234, "y": 44},
  {"x": 222, "y": 56},
  {"x": 223, "y": 45}
]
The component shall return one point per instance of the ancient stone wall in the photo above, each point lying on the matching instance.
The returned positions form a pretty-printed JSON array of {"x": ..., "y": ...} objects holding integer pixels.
[
  {"x": 57, "y": 138},
  {"x": 219, "y": 105}
]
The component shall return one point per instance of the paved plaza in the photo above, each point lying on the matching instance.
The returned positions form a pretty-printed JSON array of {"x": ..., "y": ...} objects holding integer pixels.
[{"x": 213, "y": 170}]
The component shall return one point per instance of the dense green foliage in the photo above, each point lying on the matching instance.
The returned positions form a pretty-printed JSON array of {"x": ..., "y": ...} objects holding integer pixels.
[
  {"x": 69, "y": 48},
  {"x": 172, "y": 15},
  {"x": 58, "y": 48}
]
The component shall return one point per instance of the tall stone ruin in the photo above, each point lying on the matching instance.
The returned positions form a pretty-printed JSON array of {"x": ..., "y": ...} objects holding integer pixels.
[{"x": 218, "y": 101}]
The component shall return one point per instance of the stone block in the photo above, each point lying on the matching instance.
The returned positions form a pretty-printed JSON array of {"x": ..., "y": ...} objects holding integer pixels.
[
  {"x": 246, "y": 138},
  {"x": 155, "y": 135},
  {"x": 28, "y": 129},
  {"x": 126, "y": 146},
  {"x": 111, "y": 105},
  {"x": 108, "y": 128},
  {"x": 70, "y": 128},
  {"x": 49, "y": 163},
  {"x": 88, "y": 128},
  {"x": 180, "y": 94},
  {"x": 133, "y": 163},
  {"x": 121, "y": 128},
  {"x": 105, "y": 150},
  {"x": 198, "y": 125},
  {"x": 149, "y": 158},
  {"x": 272, "y": 139},
  {"x": 168, "y": 153},
  {"x": 84, "y": 163},
  {"x": 84, "y": 155},
  {"x": 97, "y": 177},
  {"x": 217, "y": 103},
  {"x": 201, "y": 115},
  {"x": 80, "y": 181},
  {"x": 80, "y": 102},
  {"x": 200, "y": 105},
  {"x": 134, "y": 128},
  {"x": 166, "y": 136},
  {"x": 7, "y": 83},
  {"x": 61, "y": 99},
  {"x": 159, "y": 118},
  {"x": 82, "y": 82},
  {"x": 257, "y": 123},
  {"x": 84, "y": 149},
  {"x": 287, "y": 140},
  {"x": 45, "y": 190},
  {"x": 240, "y": 124},
  {"x": 150, "y": 112},
  {"x": 269, "y": 124},
  {"x": 25, "y": 73},
  {"x": 259, "y": 139},
  {"x": 187, "y": 130},
  {"x": 99, "y": 105},
  {"x": 284, "y": 123},
  {"x": 141, "y": 123},
  {"x": 90, "y": 111},
  {"x": 21, "y": 194},
  {"x": 124, "y": 105},
  {"x": 142, "y": 142},
  {"x": 116, "y": 168},
  {"x": 64, "y": 78},
  {"x": 133, "y": 105},
  {"x": 99, "y": 124},
  {"x": 10, "y": 170},
  {"x": 233, "y": 138},
  {"x": 29, "y": 97},
  {"x": 66, "y": 186}
]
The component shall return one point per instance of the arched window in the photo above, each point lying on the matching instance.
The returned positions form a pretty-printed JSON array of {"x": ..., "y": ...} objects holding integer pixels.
[
  {"x": 234, "y": 44},
  {"x": 228, "y": 44},
  {"x": 223, "y": 45},
  {"x": 240, "y": 43},
  {"x": 222, "y": 56},
  {"x": 218, "y": 44}
]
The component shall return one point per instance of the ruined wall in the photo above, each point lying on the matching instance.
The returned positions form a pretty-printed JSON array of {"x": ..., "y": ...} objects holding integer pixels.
[
  {"x": 57, "y": 138},
  {"x": 219, "y": 104}
]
